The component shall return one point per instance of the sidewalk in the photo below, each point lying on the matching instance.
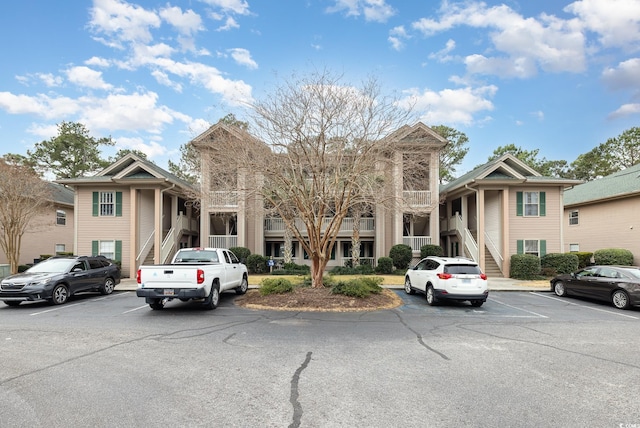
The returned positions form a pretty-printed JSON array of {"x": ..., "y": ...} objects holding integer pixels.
[{"x": 495, "y": 284}]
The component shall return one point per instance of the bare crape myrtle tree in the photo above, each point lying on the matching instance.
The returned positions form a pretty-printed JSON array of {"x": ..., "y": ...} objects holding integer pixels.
[{"x": 319, "y": 151}]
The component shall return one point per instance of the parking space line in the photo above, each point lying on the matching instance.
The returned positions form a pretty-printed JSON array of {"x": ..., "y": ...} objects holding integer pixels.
[
  {"x": 135, "y": 309},
  {"x": 57, "y": 308},
  {"x": 519, "y": 309},
  {"x": 583, "y": 306}
]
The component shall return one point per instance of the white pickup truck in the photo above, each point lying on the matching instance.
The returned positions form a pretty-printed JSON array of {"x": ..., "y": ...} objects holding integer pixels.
[{"x": 194, "y": 273}]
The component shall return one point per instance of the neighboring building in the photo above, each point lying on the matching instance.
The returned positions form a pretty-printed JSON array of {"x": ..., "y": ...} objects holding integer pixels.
[
  {"x": 235, "y": 218},
  {"x": 50, "y": 233},
  {"x": 133, "y": 212},
  {"x": 604, "y": 213},
  {"x": 502, "y": 208}
]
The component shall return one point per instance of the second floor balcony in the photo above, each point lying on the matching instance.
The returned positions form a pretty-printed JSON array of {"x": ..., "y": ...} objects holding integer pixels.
[
  {"x": 417, "y": 198},
  {"x": 223, "y": 199},
  {"x": 367, "y": 225}
]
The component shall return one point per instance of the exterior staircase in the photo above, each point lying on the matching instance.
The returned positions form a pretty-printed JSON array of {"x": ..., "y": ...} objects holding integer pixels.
[{"x": 491, "y": 268}]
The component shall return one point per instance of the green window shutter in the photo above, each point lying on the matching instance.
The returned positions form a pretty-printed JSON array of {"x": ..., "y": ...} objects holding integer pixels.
[
  {"x": 543, "y": 204},
  {"x": 118, "y": 204},
  {"x": 543, "y": 247},
  {"x": 519, "y": 203},
  {"x": 520, "y": 246},
  {"x": 95, "y": 204},
  {"x": 118, "y": 251},
  {"x": 95, "y": 248}
]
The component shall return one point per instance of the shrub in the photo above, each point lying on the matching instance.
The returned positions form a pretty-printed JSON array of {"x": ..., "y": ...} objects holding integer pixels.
[
  {"x": 275, "y": 286},
  {"x": 557, "y": 263},
  {"x": 401, "y": 255},
  {"x": 385, "y": 265},
  {"x": 358, "y": 287},
  {"x": 22, "y": 268},
  {"x": 613, "y": 256},
  {"x": 293, "y": 269},
  {"x": 365, "y": 269},
  {"x": 241, "y": 252},
  {"x": 256, "y": 263},
  {"x": 525, "y": 266},
  {"x": 584, "y": 258},
  {"x": 431, "y": 250}
]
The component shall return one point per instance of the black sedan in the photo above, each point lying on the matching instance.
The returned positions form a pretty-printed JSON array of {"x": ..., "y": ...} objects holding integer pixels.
[
  {"x": 58, "y": 278},
  {"x": 619, "y": 285}
]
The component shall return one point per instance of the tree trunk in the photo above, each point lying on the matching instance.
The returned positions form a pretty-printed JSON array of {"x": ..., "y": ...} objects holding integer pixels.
[
  {"x": 317, "y": 271},
  {"x": 288, "y": 251}
]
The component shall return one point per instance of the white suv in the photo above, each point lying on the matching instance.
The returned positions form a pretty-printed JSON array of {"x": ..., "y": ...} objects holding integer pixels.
[{"x": 448, "y": 278}]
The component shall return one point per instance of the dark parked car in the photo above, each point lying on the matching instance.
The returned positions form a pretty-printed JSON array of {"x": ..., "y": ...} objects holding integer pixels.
[
  {"x": 619, "y": 285},
  {"x": 58, "y": 278}
]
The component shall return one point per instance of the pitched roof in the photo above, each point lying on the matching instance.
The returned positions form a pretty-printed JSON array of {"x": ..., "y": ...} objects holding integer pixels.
[
  {"x": 625, "y": 183},
  {"x": 127, "y": 168},
  {"x": 505, "y": 168},
  {"x": 61, "y": 195},
  {"x": 417, "y": 132}
]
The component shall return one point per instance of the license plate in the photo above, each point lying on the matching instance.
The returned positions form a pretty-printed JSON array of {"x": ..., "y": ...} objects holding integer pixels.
[
  {"x": 466, "y": 281},
  {"x": 168, "y": 292}
]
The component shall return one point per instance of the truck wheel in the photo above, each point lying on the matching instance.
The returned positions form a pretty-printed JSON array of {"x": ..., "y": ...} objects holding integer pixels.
[
  {"x": 244, "y": 286},
  {"x": 156, "y": 304},
  {"x": 211, "y": 302}
]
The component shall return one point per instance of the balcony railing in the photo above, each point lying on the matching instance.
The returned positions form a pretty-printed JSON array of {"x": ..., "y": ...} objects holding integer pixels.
[
  {"x": 223, "y": 241},
  {"x": 416, "y": 242},
  {"x": 417, "y": 198},
  {"x": 278, "y": 224},
  {"x": 223, "y": 198}
]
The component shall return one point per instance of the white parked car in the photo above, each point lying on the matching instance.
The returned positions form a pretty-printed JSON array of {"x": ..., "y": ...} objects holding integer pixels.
[{"x": 448, "y": 278}]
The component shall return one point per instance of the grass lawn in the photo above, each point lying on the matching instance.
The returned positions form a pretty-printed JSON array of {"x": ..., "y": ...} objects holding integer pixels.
[{"x": 255, "y": 279}]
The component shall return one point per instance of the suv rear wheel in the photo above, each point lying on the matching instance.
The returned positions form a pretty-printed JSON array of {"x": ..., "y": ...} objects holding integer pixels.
[{"x": 432, "y": 300}]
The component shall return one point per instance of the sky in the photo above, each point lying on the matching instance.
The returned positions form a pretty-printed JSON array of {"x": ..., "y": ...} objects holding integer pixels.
[{"x": 556, "y": 76}]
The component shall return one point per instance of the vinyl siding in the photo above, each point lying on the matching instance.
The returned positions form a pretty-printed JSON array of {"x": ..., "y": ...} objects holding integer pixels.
[
  {"x": 43, "y": 234},
  {"x": 611, "y": 224},
  {"x": 95, "y": 228},
  {"x": 545, "y": 227}
]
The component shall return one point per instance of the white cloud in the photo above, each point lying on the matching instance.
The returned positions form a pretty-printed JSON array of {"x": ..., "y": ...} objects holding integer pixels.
[
  {"x": 546, "y": 42},
  {"x": 163, "y": 79},
  {"x": 152, "y": 149},
  {"x": 124, "y": 21},
  {"x": 451, "y": 106},
  {"x": 186, "y": 23},
  {"x": 625, "y": 76},
  {"x": 397, "y": 35},
  {"x": 625, "y": 110},
  {"x": 239, "y": 7},
  {"x": 373, "y": 10},
  {"x": 87, "y": 78},
  {"x": 229, "y": 24},
  {"x": 443, "y": 54},
  {"x": 617, "y": 22},
  {"x": 49, "y": 79},
  {"x": 40, "y": 105},
  {"x": 97, "y": 62},
  {"x": 243, "y": 57}
]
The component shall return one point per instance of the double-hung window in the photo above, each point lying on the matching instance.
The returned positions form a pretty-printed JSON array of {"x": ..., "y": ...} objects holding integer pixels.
[
  {"x": 531, "y": 204},
  {"x": 573, "y": 217},
  {"x": 107, "y": 204},
  {"x": 61, "y": 217}
]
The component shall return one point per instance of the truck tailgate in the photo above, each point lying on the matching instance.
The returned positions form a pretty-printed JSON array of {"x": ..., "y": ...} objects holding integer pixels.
[{"x": 169, "y": 276}]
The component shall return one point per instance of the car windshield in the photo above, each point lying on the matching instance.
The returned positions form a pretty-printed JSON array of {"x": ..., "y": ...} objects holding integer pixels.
[
  {"x": 462, "y": 269},
  {"x": 52, "y": 266},
  {"x": 197, "y": 256}
]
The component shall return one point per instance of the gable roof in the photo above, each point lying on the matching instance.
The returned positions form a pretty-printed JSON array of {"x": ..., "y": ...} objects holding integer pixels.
[
  {"x": 417, "y": 132},
  {"x": 130, "y": 168},
  {"x": 507, "y": 169},
  {"x": 621, "y": 184}
]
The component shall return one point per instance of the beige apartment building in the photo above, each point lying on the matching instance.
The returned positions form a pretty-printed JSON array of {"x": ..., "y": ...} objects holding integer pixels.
[{"x": 237, "y": 218}]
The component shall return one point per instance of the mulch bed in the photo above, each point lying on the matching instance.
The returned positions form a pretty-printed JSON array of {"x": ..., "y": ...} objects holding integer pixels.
[{"x": 319, "y": 300}]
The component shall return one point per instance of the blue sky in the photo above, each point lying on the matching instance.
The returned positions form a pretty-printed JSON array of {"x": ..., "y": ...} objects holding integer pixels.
[{"x": 554, "y": 75}]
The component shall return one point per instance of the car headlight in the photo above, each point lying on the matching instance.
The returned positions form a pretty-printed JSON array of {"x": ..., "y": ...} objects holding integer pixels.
[{"x": 41, "y": 282}]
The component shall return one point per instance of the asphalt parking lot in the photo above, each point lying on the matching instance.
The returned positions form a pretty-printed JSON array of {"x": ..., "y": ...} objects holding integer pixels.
[{"x": 522, "y": 359}]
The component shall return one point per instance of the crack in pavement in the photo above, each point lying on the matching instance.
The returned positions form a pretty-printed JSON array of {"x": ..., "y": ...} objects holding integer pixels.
[
  {"x": 420, "y": 338},
  {"x": 293, "y": 399}
]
